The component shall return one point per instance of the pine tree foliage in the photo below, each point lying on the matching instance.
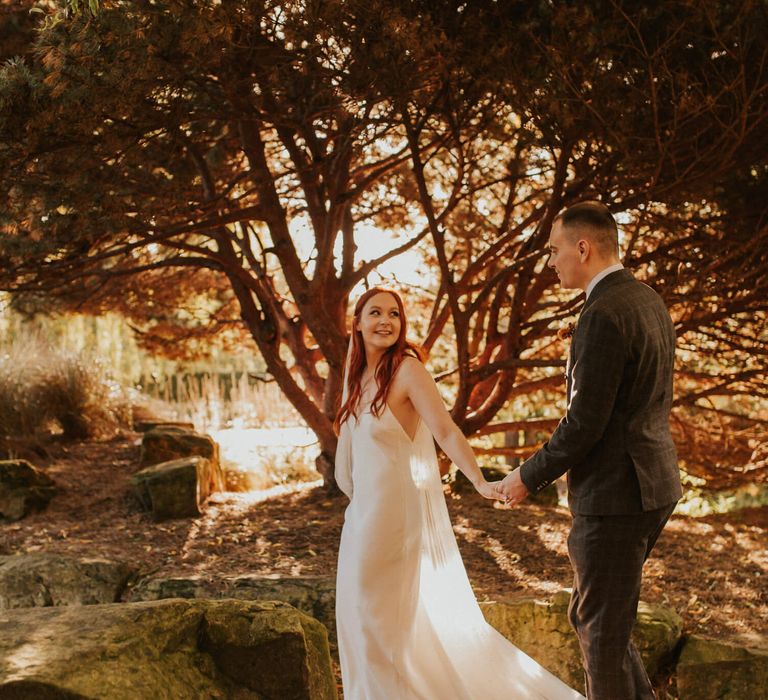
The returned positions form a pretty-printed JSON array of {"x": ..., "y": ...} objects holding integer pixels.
[{"x": 157, "y": 152}]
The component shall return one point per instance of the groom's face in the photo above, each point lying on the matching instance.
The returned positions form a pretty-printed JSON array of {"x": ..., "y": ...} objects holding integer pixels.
[{"x": 565, "y": 257}]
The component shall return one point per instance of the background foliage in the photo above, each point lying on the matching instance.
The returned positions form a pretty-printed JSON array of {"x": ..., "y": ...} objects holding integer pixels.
[{"x": 226, "y": 170}]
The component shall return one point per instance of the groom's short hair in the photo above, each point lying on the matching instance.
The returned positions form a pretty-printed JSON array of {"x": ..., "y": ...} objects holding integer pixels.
[{"x": 593, "y": 217}]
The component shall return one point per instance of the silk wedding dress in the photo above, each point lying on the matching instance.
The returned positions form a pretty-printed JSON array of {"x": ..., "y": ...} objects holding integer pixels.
[{"x": 409, "y": 626}]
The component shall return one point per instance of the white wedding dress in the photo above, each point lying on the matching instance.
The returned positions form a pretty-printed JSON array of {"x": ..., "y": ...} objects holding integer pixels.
[{"x": 409, "y": 626}]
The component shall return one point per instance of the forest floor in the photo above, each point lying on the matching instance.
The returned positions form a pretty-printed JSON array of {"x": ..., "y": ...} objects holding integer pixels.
[{"x": 712, "y": 570}]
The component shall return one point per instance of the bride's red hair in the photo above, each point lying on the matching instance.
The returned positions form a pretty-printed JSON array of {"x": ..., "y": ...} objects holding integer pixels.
[{"x": 387, "y": 366}]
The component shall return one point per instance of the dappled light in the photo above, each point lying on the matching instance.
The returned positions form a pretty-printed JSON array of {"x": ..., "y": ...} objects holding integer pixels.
[
  {"x": 27, "y": 656},
  {"x": 711, "y": 570},
  {"x": 572, "y": 201},
  {"x": 262, "y": 458},
  {"x": 227, "y": 525},
  {"x": 508, "y": 557},
  {"x": 729, "y": 561}
]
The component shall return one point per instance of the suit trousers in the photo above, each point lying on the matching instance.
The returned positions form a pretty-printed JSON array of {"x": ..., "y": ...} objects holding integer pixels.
[{"x": 607, "y": 553}]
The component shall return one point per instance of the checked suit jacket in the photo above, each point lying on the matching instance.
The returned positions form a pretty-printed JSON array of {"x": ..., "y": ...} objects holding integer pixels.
[{"x": 614, "y": 441}]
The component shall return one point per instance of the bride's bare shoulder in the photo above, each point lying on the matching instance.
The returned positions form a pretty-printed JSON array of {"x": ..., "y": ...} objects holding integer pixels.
[
  {"x": 409, "y": 377},
  {"x": 411, "y": 365},
  {"x": 412, "y": 370}
]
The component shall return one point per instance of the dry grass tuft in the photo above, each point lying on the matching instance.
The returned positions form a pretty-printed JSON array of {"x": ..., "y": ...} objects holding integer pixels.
[{"x": 44, "y": 390}]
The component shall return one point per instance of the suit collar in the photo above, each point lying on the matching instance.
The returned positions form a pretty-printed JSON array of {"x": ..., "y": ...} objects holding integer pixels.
[
  {"x": 602, "y": 275},
  {"x": 611, "y": 280}
]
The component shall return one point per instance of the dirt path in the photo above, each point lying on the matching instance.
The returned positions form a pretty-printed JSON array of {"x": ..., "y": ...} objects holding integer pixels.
[{"x": 713, "y": 571}]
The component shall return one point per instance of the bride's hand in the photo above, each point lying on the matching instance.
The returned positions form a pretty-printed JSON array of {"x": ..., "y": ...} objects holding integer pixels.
[{"x": 489, "y": 490}]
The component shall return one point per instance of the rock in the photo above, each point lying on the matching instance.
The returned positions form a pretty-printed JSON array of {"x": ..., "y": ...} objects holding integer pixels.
[
  {"x": 23, "y": 488},
  {"x": 709, "y": 670},
  {"x": 280, "y": 655},
  {"x": 657, "y": 635},
  {"x": 165, "y": 650},
  {"x": 171, "y": 443},
  {"x": 315, "y": 596},
  {"x": 541, "y": 629},
  {"x": 144, "y": 426},
  {"x": 38, "y": 580},
  {"x": 175, "y": 587},
  {"x": 174, "y": 489}
]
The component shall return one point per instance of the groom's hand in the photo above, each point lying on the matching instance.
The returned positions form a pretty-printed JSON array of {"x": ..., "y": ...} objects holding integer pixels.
[{"x": 512, "y": 488}]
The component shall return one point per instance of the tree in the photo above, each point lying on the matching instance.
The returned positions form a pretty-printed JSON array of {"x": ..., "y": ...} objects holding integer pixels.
[{"x": 201, "y": 138}]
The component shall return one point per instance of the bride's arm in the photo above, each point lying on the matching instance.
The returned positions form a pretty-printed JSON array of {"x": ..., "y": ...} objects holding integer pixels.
[{"x": 419, "y": 387}]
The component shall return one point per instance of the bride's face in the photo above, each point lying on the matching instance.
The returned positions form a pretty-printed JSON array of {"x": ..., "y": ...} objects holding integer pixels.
[{"x": 380, "y": 322}]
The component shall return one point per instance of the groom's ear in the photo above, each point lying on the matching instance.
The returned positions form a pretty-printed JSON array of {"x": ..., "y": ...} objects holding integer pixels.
[{"x": 583, "y": 247}]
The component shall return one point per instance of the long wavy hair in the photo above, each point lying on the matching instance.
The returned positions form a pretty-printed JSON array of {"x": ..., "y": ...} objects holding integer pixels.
[{"x": 387, "y": 366}]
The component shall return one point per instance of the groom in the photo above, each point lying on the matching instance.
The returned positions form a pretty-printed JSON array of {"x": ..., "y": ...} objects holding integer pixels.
[{"x": 614, "y": 442}]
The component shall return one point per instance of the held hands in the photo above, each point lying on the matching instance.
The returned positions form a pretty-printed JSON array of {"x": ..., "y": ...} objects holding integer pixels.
[{"x": 510, "y": 491}]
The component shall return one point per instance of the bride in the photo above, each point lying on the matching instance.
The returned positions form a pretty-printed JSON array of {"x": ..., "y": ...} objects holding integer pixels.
[{"x": 409, "y": 626}]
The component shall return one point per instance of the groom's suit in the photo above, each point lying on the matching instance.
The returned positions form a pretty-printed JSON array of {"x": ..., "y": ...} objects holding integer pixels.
[{"x": 623, "y": 479}]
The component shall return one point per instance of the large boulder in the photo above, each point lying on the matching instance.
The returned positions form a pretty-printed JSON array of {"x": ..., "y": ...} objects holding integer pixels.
[
  {"x": 165, "y": 650},
  {"x": 144, "y": 426},
  {"x": 313, "y": 595},
  {"x": 176, "y": 489},
  {"x": 657, "y": 635},
  {"x": 541, "y": 629},
  {"x": 160, "y": 588},
  {"x": 710, "y": 670},
  {"x": 166, "y": 444},
  {"x": 23, "y": 488},
  {"x": 39, "y": 580},
  {"x": 283, "y": 654}
]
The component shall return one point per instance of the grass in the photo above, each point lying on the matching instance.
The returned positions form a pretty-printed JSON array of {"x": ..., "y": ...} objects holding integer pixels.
[
  {"x": 45, "y": 390},
  {"x": 214, "y": 401}
]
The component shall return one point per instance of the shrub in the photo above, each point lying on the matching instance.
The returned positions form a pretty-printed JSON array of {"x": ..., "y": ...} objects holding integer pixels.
[{"x": 43, "y": 389}]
